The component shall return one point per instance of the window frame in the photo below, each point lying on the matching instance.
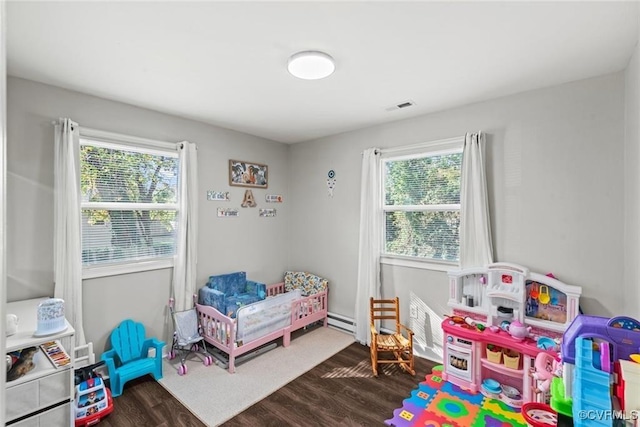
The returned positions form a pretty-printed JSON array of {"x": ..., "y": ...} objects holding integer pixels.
[
  {"x": 428, "y": 149},
  {"x": 112, "y": 140}
]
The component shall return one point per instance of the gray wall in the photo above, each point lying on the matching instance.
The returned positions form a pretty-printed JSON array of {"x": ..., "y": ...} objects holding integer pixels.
[
  {"x": 632, "y": 185},
  {"x": 256, "y": 245},
  {"x": 555, "y": 170},
  {"x": 555, "y": 177}
]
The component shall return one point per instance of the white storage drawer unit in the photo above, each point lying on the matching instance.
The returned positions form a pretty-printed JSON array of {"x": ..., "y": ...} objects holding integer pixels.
[
  {"x": 45, "y": 386},
  {"x": 37, "y": 394},
  {"x": 60, "y": 416}
]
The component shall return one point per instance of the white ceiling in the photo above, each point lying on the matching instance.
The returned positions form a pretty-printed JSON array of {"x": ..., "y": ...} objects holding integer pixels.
[{"x": 224, "y": 63}]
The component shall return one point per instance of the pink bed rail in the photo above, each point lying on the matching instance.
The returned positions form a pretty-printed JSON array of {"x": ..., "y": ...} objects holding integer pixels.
[
  {"x": 220, "y": 330},
  {"x": 308, "y": 310},
  {"x": 275, "y": 289}
]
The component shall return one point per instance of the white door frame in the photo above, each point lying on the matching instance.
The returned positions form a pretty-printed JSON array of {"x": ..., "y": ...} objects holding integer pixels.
[{"x": 3, "y": 144}]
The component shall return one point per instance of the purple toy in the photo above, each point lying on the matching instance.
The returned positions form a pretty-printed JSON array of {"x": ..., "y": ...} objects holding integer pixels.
[{"x": 622, "y": 333}]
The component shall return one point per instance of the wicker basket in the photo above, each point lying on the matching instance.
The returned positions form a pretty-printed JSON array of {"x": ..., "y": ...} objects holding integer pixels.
[
  {"x": 494, "y": 355},
  {"x": 511, "y": 359}
]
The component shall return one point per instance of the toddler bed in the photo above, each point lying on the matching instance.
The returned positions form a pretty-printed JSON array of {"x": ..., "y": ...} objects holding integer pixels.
[{"x": 290, "y": 305}]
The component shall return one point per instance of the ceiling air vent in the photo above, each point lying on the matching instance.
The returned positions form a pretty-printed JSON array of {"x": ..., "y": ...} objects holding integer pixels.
[{"x": 400, "y": 106}]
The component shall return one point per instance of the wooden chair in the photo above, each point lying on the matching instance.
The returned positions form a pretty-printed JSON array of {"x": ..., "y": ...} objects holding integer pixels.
[
  {"x": 395, "y": 348},
  {"x": 128, "y": 359}
]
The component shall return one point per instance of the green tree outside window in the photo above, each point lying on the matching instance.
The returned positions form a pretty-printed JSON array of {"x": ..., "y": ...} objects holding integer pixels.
[
  {"x": 422, "y": 206},
  {"x": 140, "y": 182}
]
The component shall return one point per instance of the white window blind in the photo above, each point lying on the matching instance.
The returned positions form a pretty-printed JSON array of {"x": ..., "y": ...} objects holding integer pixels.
[
  {"x": 129, "y": 202},
  {"x": 421, "y": 205}
]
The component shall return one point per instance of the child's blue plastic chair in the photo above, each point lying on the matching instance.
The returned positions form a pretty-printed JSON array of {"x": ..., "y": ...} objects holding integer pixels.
[{"x": 129, "y": 357}]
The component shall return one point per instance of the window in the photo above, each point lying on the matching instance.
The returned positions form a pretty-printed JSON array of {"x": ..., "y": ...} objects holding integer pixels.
[
  {"x": 129, "y": 202},
  {"x": 421, "y": 205}
]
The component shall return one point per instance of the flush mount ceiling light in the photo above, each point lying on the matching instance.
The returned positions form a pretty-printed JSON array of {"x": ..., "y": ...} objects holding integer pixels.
[{"x": 311, "y": 65}]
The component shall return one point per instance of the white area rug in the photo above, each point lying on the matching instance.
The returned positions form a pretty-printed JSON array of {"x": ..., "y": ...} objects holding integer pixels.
[{"x": 215, "y": 395}]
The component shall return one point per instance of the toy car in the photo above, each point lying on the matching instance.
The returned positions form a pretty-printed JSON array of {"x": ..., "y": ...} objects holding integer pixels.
[{"x": 93, "y": 399}]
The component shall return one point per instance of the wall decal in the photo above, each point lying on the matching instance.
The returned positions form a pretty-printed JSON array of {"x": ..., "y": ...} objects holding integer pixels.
[
  {"x": 248, "y": 201},
  {"x": 218, "y": 195},
  {"x": 227, "y": 212},
  {"x": 269, "y": 212},
  {"x": 273, "y": 198},
  {"x": 331, "y": 181}
]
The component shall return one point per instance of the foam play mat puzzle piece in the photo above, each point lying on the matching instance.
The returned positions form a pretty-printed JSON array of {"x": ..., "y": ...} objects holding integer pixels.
[{"x": 438, "y": 403}]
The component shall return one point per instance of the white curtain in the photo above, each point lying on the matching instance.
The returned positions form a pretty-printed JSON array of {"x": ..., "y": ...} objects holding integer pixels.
[
  {"x": 184, "y": 270},
  {"x": 67, "y": 232},
  {"x": 370, "y": 242},
  {"x": 476, "y": 249}
]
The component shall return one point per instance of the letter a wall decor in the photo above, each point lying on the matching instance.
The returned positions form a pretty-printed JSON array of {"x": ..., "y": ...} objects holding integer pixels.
[{"x": 248, "y": 201}]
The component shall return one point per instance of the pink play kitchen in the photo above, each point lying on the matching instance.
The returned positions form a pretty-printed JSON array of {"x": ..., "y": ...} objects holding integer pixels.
[{"x": 503, "y": 317}]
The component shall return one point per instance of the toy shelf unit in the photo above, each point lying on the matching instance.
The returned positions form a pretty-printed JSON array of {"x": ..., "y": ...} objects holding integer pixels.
[
  {"x": 509, "y": 292},
  {"x": 509, "y": 367},
  {"x": 503, "y": 317},
  {"x": 472, "y": 357},
  {"x": 44, "y": 395}
]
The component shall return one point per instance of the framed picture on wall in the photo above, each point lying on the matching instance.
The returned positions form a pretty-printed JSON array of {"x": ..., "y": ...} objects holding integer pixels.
[{"x": 248, "y": 174}]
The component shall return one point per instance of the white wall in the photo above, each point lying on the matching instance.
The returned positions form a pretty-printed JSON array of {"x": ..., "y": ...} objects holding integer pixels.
[
  {"x": 256, "y": 245},
  {"x": 555, "y": 172},
  {"x": 632, "y": 184}
]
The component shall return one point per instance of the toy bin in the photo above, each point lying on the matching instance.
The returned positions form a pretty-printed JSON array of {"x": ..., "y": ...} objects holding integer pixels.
[
  {"x": 539, "y": 415},
  {"x": 511, "y": 359},
  {"x": 494, "y": 354}
]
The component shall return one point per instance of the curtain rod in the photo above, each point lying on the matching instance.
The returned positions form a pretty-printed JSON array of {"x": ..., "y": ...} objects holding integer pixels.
[
  {"x": 118, "y": 137},
  {"x": 421, "y": 145},
  {"x": 112, "y": 136}
]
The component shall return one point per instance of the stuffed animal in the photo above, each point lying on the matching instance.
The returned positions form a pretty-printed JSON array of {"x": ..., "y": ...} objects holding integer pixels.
[
  {"x": 23, "y": 365},
  {"x": 546, "y": 367}
]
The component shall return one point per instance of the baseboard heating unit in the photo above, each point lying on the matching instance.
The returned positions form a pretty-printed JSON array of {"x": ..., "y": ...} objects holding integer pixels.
[{"x": 341, "y": 322}]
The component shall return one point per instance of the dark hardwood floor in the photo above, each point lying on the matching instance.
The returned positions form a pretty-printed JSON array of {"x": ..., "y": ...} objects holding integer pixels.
[
  {"x": 341, "y": 391},
  {"x": 146, "y": 403}
]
